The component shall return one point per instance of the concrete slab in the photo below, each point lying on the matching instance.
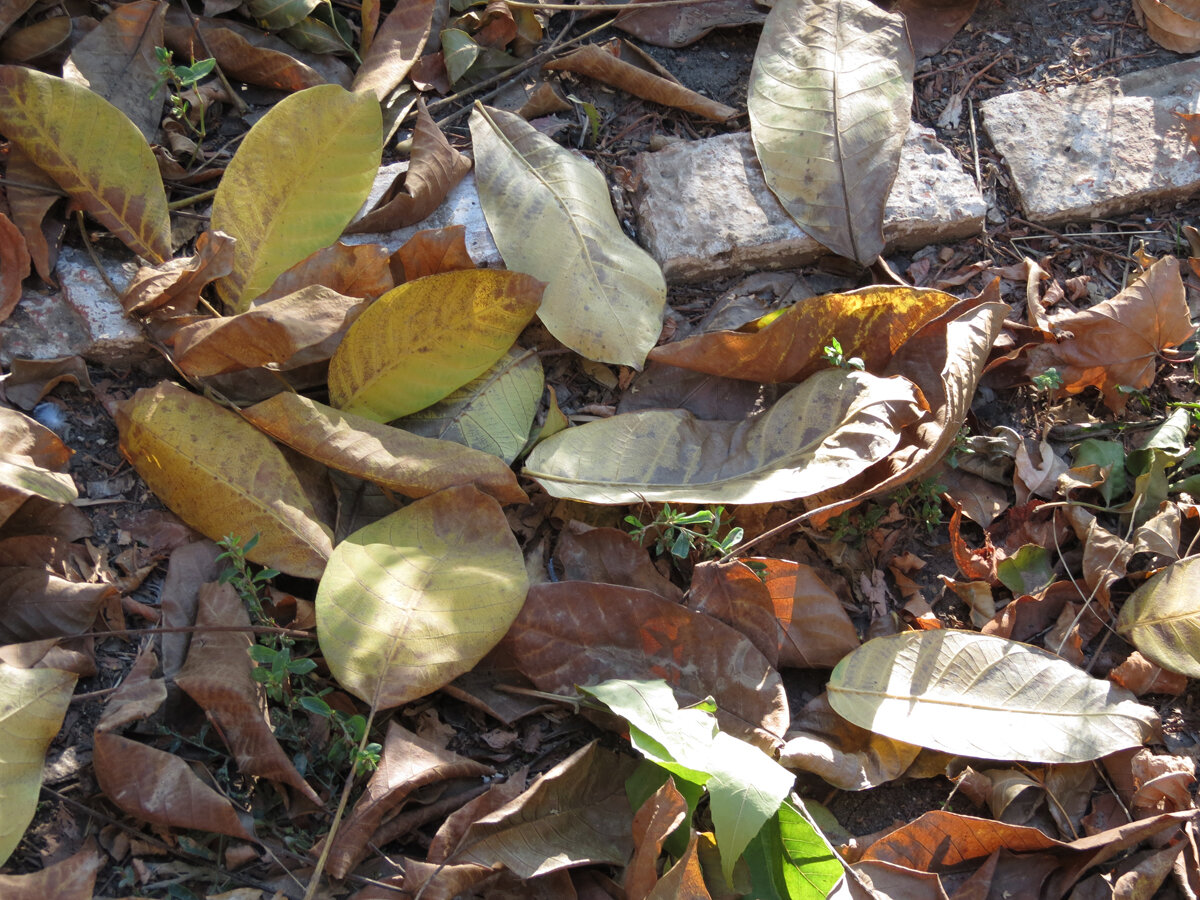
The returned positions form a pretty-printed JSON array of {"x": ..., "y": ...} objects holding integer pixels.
[
  {"x": 705, "y": 211},
  {"x": 1101, "y": 149}
]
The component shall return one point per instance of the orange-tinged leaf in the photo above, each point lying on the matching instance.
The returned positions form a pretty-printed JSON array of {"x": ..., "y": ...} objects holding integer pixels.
[
  {"x": 609, "y": 556},
  {"x": 871, "y": 323},
  {"x": 356, "y": 270},
  {"x": 420, "y": 341},
  {"x": 281, "y": 208},
  {"x": 390, "y": 457},
  {"x": 432, "y": 252},
  {"x": 33, "y": 463},
  {"x": 685, "y": 879},
  {"x": 59, "y": 126},
  {"x": 173, "y": 289},
  {"x": 29, "y": 209},
  {"x": 15, "y": 264},
  {"x": 663, "y": 812},
  {"x": 73, "y": 878},
  {"x": 395, "y": 47},
  {"x": 222, "y": 476},
  {"x": 416, "y": 599}
]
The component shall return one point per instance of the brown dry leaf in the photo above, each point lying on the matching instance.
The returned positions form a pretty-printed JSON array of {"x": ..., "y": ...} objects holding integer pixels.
[
  {"x": 1173, "y": 24},
  {"x": 355, "y": 270},
  {"x": 663, "y": 812},
  {"x": 433, "y": 170},
  {"x": 434, "y": 882},
  {"x": 408, "y": 763},
  {"x": 11, "y": 11},
  {"x": 15, "y": 265},
  {"x": 871, "y": 323},
  {"x": 679, "y": 26},
  {"x": 684, "y": 880},
  {"x": 295, "y": 330},
  {"x": 455, "y": 825},
  {"x": 33, "y": 463},
  {"x": 604, "y": 65},
  {"x": 932, "y": 24},
  {"x": 1162, "y": 783},
  {"x": 574, "y": 632},
  {"x": 390, "y": 457},
  {"x": 217, "y": 675},
  {"x": 609, "y": 556},
  {"x": 38, "y": 516},
  {"x": 29, "y": 209},
  {"x": 29, "y": 380},
  {"x": 890, "y": 880},
  {"x": 395, "y": 47},
  {"x": 846, "y": 756},
  {"x": 1140, "y": 676},
  {"x": 190, "y": 567},
  {"x": 1118, "y": 343},
  {"x": 575, "y": 814},
  {"x": 35, "y": 605},
  {"x": 432, "y": 252},
  {"x": 173, "y": 288},
  {"x": 73, "y": 878}
]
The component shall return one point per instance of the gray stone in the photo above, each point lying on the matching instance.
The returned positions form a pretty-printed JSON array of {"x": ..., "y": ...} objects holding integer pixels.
[
  {"x": 461, "y": 207},
  {"x": 705, "y": 211},
  {"x": 1100, "y": 149}
]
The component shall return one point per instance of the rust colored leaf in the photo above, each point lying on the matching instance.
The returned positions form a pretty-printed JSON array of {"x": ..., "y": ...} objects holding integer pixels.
[
  {"x": 355, "y": 270},
  {"x": 15, "y": 264},
  {"x": 37, "y": 605},
  {"x": 30, "y": 211},
  {"x": 609, "y": 556},
  {"x": 932, "y": 24},
  {"x": 38, "y": 516},
  {"x": 685, "y": 879},
  {"x": 663, "y": 812},
  {"x": 572, "y": 633},
  {"x": 974, "y": 564},
  {"x": 29, "y": 380},
  {"x": 436, "y": 882},
  {"x": 11, "y": 10},
  {"x": 1173, "y": 24},
  {"x": 1117, "y": 344},
  {"x": 190, "y": 567},
  {"x": 432, "y": 252},
  {"x": 73, "y": 878},
  {"x": 408, "y": 763},
  {"x": 451, "y": 831},
  {"x": 1140, "y": 676},
  {"x": 33, "y": 463},
  {"x": 173, "y": 288},
  {"x": 390, "y": 457},
  {"x": 217, "y": 675},
  {"x": 434, "y": 169},
  {"x": 846, "y": 756},
  {"x": 872, "y": 324},
  {"x": 395, "y": 47},
  {"x": 295, "y": 330},
  {"x": 601, "y": 63}
]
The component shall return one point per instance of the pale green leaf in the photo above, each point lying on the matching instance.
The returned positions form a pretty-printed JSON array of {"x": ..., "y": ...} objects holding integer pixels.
[{"x": 1162, "y": 618}]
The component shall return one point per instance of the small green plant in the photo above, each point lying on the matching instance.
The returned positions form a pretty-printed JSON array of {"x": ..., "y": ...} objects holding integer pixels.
[
  {"x": 835, "y": 356},
  {"x": 919, "y": 501},
  {"x": 1049, "y": 380},
  {"x": 681, "y": 534},
  {"x": 182, "y": 79}
]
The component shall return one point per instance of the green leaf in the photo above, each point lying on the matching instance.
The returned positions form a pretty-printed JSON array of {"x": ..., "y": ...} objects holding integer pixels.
[
  {"x": 1162, "y": 618},
  {"x": 282, "y": 206},
  {"x": 551, "y": 216},
  {"x": 1109, "y": 456},
  {"x": 460, "y": 52},
  {"x": 791, "y": 859},
  {"x": 1027, "y": 571},
  {"x": 272, "y": 15}
]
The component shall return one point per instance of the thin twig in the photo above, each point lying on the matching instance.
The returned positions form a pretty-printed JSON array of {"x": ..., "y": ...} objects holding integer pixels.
[
  {"x": 87, "y": 243},
  {"x": 36, "y": 188},
  {"x": 237, "y": 101}
]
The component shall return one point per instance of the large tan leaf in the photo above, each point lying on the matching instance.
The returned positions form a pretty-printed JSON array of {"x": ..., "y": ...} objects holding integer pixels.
[
  {"x": 173, "y": 289},
  {"x": 830, "y": 93},
  {"x": 15, "y": 263},
  {"x": 356, "y": 270},
  {"x": 551, "y": 216},
  {"x": 412, "y": 601},
  {"x": 283, "y": 206},
  {"x": 872, "y": 324},
  {"x": 32, "y": 705},
  {"x": 420, "y": 341},
  {"x": 222, "y": 476},
  {"x": 60, "y": 126},
  {"x": 492, "y": 413},
  {"x": 30, "y": 211},
  {"x": 390, "y": 457},
  {"x": 1162, "y": 618},
  {"x": 33, "y": 463},
  {"x": 817, "y": 436},
  {"x": 73, "y": 878},
  {"x": 1174, "y": 24},
  {"x": 977, "y": 695},
  {"x": 395, "y": 47},
  {"x": 36, "y": 605}
]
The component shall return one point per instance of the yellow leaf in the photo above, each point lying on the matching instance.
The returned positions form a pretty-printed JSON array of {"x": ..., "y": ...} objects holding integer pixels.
[{"x": 223, "y": 477}]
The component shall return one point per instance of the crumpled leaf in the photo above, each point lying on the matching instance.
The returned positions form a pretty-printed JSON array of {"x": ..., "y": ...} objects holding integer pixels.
[
  {"x": 1117, "y": 343},
  {"x": 30, "y": 211},
  {"x": 59, "y": 125},
  {"x": 1173, "y": 24},
  {"x": 432, "y": 252},
  {"x": 871, "y": 324},
  {"x": 395, "y": 47},
  {"x": 356, "y": 270},
  {"x": 173, "y": 288},
  {"x": 222, "y": 476},
  {"x": 609, "y": 556},
  {"x": 830, "y": 95},
  {"x": 282, "y": 208},
  {"x": 390, "y": 457},
  {"x": 661, "y": 813},
  {"x": 817, "y": 436},
  {"x": 551, "y": 216},
  {"x": 33, "y": 463},
  {"x": 38, "y": 605},
  {"x": 420, "y": 341},
  {"x": 73, "y": 878},
  {"x": 33, "y": 703},
  {"x": 1162, "y": 618},
  {"x": 412, "y": 601},
  {"x": 29, "y": 380},
  {"x": 976, "y": 695}
]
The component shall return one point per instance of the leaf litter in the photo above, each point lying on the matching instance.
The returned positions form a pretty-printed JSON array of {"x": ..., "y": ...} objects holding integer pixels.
[{"x": 442, "y": 528}]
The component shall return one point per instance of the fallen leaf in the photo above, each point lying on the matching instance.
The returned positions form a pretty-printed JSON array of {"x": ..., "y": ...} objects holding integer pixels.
[
  {"x": 1162, "y": 618},
  {"x": 976, "y": 695},
  {"x": 73, "y": 878},
  {"x": 684, "y": 879},
  {"x": 817, "y": 436},
  {"x": 390, "y": 457},
  {"x": 432, "y": 252},
  {"x": 281, "y": 209},
  {"x": 394, "y": 48},
  {"x": 59, "y": 125},
  {"x": 450, "y": 832},
  {"x": 222, "y": 476},
  {"x": 830, "y": 98},
  {"x": 932, "y": 24},
  {"x": 15, "y": 265},
  {"x": 425, "y": 338},
  {"x": 356, "y": 270},
  {"x": 11, "y": 12},
  {"x": 551, "y": 216},
  {"x": 37, "y": 42},
  {"x": 30, "y": 208},
  {"x": 681, "y": 25},
  {"x": 276, "y": 15},
  {"x": 418, "y": 598},
  {"x": 173, "y": 288},
  {"x": 661, "y": 814},
  {"x": 33, "y": 703},
  {"x": 1140, "y": 676},
  {"x": 37, "y": 605},
  {"x": 33, "y": 463},
  {"x": 1173, "y": 24},
  {"x": 609, "y": 556},
  {"x": 793, "y": 855}
]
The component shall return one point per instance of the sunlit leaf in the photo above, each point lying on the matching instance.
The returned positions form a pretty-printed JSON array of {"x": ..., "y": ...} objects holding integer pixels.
[
  {"x": 976, "y": 695},
  {"x": 73, "y": 878},
  {"x": 416, "y": 599},
  {"x": 459, "y": 51},
  {"x": 33, "y": 463},
  {"x": 273, "y": 15},
  {"x": 1173, "y": 24},
  {"x": 395, "y": 47},
  {"x": 59, "y": 125},
  {"x": 552, "y": 217},
  {"x": 793, "y": 857},
  {"x": 283, "y": 207},
  {"x": 830, "y": 95},
  {"x": 1162, "y": 618}
]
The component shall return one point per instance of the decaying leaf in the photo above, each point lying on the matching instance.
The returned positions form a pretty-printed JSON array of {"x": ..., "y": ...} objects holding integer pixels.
[
  {"x": 395, "y": 47},
  {"x": 30, "y": 211},
  {"x": 932, "y": 24},
  {"x": 222, "y": 476},
  {"x": 356, "y": 270},
  {"x": 15, "y": 263},
  {"x": 173, "y": 289},
  {"x": 551, "y": 216},
  {"x": 983, "y": 696},
  {"x": 1173, "y": 24},
  {"x": 609, "y": 556},
  {"x": 73, "y": 878},
  {"x": 678, "y": 26},
  {"x": 830, "y": 94},
  {"x": 33, "y": 463},
  {"x": 1162, "y": 618}
]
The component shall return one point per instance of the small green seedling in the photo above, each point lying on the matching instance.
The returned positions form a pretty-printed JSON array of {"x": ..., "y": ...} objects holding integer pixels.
[
  {"x": 181, "y": 79},
  {"x": 835, "y": 356},
  {"x": 680, "y": 533},
  {"x": 1049, "y": 380}
]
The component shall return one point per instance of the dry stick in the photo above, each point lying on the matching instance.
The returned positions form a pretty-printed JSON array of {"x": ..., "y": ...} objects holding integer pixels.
[
  {"x": 237, "y": 101},
  {"x": 87, "y": 243},
  {"x": 176, "y": 205},
  {"x": 974, "y": 145}
]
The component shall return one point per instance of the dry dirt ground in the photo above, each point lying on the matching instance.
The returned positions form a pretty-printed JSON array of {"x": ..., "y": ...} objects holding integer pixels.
[{"x": 1006, "y": 46}]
